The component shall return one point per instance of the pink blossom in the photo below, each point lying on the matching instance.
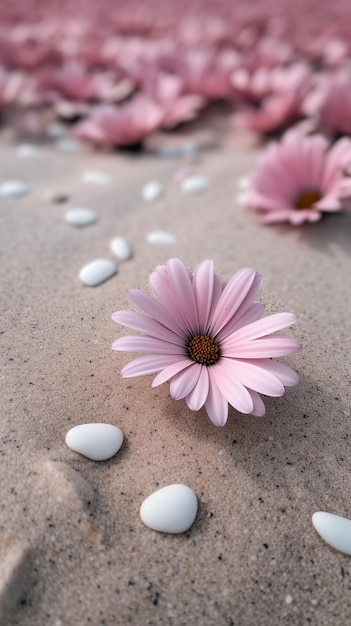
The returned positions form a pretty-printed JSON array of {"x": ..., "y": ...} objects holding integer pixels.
[
  {"x": 330, "y": 103},
  {"x": 123, "y": 125},
  {"x": 300, "y": 177},
  {"x": 206, "y": 337},
  {"x": 274, "y": 97}
]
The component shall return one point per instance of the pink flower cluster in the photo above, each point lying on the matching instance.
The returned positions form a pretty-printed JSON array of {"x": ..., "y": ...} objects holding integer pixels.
[{"x": 120, "y": 70}]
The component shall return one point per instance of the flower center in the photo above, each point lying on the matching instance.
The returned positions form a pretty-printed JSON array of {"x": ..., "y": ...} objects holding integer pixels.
[
  {"x": 204, "y": 350},
  {"x": 307, "y": 199}
]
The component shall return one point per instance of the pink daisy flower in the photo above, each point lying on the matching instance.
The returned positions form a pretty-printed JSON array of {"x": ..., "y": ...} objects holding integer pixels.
[
  {"x": 205, "y": 336},
  {"x": 300, "y": 177}
]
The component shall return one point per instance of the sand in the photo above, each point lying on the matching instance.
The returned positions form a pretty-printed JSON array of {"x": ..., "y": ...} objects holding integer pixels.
[{"x": 73, "y": 549}]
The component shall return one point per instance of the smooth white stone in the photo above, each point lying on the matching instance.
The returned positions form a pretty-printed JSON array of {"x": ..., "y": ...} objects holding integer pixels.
[
  {"x": 121, "y": 248},
  {"x": 95, "y": 441},
  {"x": 171, "y": 509},
  {"x": 152, "y": 191},
  {"x": 195, "y": 184},
  {"x": 335, "y": 530},
  {"x": 28, "y": 150},
  {"x": 160, "y": 237},
  {"x": 243, "y": 183},
  {"x": 67, "y": 144},
  {"x": 241, "y": 198},
  {"x": 96, "y": 178},
  {"x": 97, "y": 272},
  {"x": 15, "y": 188},
  {"x": 55, "y": 130},
  {"x": 80, "y": 217}
]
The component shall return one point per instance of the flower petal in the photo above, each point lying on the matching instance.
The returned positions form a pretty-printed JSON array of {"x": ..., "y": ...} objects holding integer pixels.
[
  {"x": 184, "y": 297},
  {"x": 259, "y": 408},
  {"x": 263, "y": 327},
  {"x": 184, "y": 382},
  {"x": 203, "y": 283},
  {"x": 235, "y": 393},
  {"x": 170, "y": 371},
  {"x": 197, "y": 397},
  {"x": 141, "y": 343},
  {"x": 233, "y": 294},
  {"x": 153, "y": 308},
  {"x": 147, "y": 325},
  {"x": 276, "y": 345},
  {"x": 148, "y": 364},
  {"x": 256, "y": 377},
  {"x": 216, "y": 404}
]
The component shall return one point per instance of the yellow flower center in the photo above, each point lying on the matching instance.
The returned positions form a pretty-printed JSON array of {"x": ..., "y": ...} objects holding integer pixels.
[
  {"x": 204, "y": 350},
  {"x": 307, "y": 199}
]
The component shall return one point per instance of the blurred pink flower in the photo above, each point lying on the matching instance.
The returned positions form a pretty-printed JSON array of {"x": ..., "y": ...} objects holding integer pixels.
[
  {"x": 124, "y": 125},
  {"x": 10, "y": 87},
  {"x": 206, "y": 337},
  {"x": 300, "y": 177},
  {"x": 167, "y": 92},
  {"x": 330, "y": 102},
  {"x": 272, "y": 98}
]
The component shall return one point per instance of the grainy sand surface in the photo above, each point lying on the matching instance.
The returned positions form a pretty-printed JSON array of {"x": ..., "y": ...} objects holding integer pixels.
[{"x": 73, "y": 551}]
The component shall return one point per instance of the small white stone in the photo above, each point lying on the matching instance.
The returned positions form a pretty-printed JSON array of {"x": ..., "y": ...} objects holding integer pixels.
[
  {"x": 288, "y": 599},
  {"x": 55, "y": 130},
  {"x": 121, "y": 248},
  {"x": 171, "y": 509},
  {"x": 80, "y": 217},
  {"x": 67, "y": 144},
  {"x": 152, "y": 191},
  {"x": 242, "y": 198},
  {"x": 98, "y": 442},
  {"x": 96, "y": 272},
  {"x": 195, "y": 184},
  {"x": 160, "y": 237},
  {"x": 28, "y": 150},
  {"x": 96, "y": 178},
  {"x": 243, "y": 183},
  {"x": 14, "y": 188},
  {"x": 335, "y": 530}
]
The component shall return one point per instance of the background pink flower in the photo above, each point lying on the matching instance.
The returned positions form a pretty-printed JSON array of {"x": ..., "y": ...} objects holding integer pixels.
[
  {"x": 207, "y": 338},
  {"x": 300, "y": 177}
]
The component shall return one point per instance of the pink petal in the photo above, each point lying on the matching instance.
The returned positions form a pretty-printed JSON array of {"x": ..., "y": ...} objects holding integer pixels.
[
  {"x": 171, "y": 370},
  {"x": 233, "y": 294},
  {"x": 184, "y": 382},
  {"x": 216, "y": 404},
  {"x": 184, "y": 297},
  {"x": 252, "y": 314},
  {"x": 266, "y": 347},
  {"x": 197, "y": 397},
  {"x": 257, "y": 378},
  {"x": 263, "y": 327},
  {"x": 140, "y": 343},
  {"x": 287, "y": 376},
  {"x": 156, "y": 310},
  {"x": 148, "y": 364},
  {"x": 259, "y": 408},
  {"x": 203, "y": 283},
  {"x": 159, "y": 283},
  {"x": 146, "y": 325},
  {"x": 234, "y": 392}
]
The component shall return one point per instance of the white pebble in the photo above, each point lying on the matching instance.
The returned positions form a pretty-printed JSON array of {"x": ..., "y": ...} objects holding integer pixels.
[
  {"x": 195, "y": 184},
  {"x": 80, "y": 217},
  {"x": 121, "y": 248},
  {"x": 160, "y": 237},
  {"x": 27, "y": 150},
  {"x": 96, "y": 272},
  {"x": 95, "y": 441},
  {"x": 67, "y": 144},
  {"x": 242, "y": 198},
  {"x": 15, "y": 188},
  {"x": 96, "y": 178},
  {"x": 55, "y": 130},
  {"x": 335, "y": 530},
  {"x": 171, "y": 509},
  {"x": 152, "y": 191},
  {"x": 243, "y": 183},
  {"x": 288, "y": 599}
]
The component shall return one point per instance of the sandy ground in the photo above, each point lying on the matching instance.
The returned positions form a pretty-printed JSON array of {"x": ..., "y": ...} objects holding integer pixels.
[{"x": 73, "y": 551}]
